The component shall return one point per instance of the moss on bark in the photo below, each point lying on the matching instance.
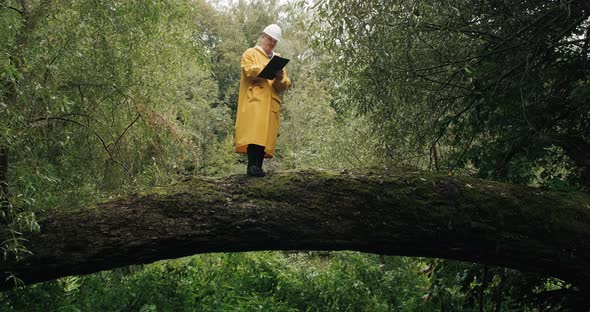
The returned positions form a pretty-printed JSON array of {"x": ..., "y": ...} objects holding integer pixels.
[{"x": 400, "y": 212}]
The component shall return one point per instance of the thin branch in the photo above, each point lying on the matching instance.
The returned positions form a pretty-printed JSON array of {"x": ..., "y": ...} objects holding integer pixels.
[
  {"x": 46, "y": 74},
  {"x": 24, "y": 7},
  {"x": 557, "y": 44},
  {"x": 125, "y": 131},
  {"x": 585, "y": 49},
  {"x": 441, "y": 83},
  {"x": 74, "y": 84},
  {"x": 430, "y": 26},
  {"x": 460, "y": 159},
  {"x": 105, "y": 146},
  {"x": 434, "y": 48},
  {"x": 3, "y": 6},
  {"x": 464, "y": 110},
  {"x": 81, "y": 95},
  {"x": 466, "y": 60}
]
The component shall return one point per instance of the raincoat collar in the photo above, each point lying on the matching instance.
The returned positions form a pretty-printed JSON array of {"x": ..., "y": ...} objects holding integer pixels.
[{"x": 259, "y": 48}]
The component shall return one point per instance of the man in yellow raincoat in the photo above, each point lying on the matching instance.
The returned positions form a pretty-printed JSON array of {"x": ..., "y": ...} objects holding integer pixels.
[{"x": 259, "y": 103}]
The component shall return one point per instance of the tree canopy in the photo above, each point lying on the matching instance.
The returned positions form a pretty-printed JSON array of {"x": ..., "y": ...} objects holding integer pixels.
[{"x": 499, "y": 87}]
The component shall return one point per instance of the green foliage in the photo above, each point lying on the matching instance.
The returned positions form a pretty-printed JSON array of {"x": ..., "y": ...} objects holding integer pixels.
[
  {"x": 91, "y": 92},
  {"x": 108, "y": 78},
  {"x": 496, "y": 85},
  {"x": 459, "y": 286},
  {"x": 314, "y": 135},
  {"x": 226, "y": 34},
  {"x": 101, "y": 98},
  {"x": 290, "y": 281},
  {"x": 287, "y": 281},
  {"x": 237, "y": 282}
]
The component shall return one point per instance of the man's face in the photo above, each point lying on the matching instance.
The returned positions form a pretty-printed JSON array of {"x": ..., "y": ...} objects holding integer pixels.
[{"x": 268, "y": 43}]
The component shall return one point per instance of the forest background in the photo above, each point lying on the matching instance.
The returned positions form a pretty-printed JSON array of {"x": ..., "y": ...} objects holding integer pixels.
[{"x": 103, "y": 98}]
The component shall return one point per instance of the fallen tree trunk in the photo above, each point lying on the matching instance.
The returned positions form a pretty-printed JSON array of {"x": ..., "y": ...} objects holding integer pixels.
[{"x": 394, "y": 213}]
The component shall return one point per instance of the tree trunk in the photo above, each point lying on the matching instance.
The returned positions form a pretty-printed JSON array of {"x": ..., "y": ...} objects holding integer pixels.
[
  {"x": 3, "y": 181},
  {"x": 435, "y": 155},
  {"x": 392, "y": 213},
  {"x": 578, "y": 149}
]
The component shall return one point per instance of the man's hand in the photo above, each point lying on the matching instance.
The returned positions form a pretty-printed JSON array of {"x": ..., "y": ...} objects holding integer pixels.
[{"x": 279, "y": 74}]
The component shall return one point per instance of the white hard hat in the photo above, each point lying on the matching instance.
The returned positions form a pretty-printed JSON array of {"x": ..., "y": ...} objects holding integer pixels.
[{"x": 274, "y": 31}]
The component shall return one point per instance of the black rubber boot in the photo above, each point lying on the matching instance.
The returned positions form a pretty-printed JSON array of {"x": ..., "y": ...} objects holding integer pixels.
[
  {"x": 261, "y": 159},
  {"x": 254, "y": 169},
  {"x": 252, "y": 158}
]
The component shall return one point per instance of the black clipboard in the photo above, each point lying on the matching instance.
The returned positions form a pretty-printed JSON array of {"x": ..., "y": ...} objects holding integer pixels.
[{"x": 275, "y": 64}]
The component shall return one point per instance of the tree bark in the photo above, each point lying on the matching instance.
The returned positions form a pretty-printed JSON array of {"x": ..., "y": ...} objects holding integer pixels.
[
  {"x": 578, "y": 149},
  {"x": 3, "y": 180},
  {"x": 392, "y": 213}
]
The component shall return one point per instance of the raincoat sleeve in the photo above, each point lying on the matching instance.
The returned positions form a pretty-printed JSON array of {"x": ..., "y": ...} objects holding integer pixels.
[
  {"x": 282, "y": 85},
  {"x": 249, "y": 66}
]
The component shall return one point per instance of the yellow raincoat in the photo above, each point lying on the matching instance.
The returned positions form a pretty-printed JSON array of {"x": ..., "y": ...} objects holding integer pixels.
[{"x": 259, "y": 104}]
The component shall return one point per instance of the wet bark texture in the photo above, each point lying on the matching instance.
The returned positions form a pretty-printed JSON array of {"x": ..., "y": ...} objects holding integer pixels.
[
  {"x": 393, "y": 213},
  {"x": 3, "y": 180}
]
